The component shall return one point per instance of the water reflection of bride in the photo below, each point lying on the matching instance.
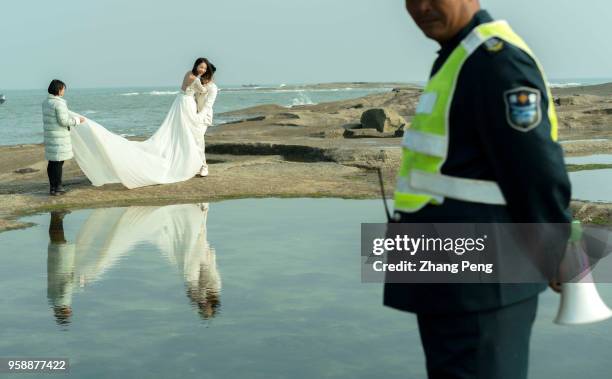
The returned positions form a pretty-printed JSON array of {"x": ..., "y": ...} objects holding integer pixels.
[
  {"x": 178, "y": 231},
  {"x": 198, "y": 267}
]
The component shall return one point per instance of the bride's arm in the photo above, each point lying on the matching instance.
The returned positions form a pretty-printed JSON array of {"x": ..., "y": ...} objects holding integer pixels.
[
  {"x": 191, "y": 79},
  {"x": 199, "y": 88}
]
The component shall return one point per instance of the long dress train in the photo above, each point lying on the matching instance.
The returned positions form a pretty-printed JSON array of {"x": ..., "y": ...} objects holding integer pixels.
[{"x": 171, "y": 155}]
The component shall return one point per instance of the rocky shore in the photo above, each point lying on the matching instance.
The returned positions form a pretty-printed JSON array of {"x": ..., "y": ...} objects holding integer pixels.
[{"x": 324, "y": 150}]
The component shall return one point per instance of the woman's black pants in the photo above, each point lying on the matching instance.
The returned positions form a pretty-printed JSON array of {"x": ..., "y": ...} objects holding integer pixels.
[{"x": 54, "y": 171}]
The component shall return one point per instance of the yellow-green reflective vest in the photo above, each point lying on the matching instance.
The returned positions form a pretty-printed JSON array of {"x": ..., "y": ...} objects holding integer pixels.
[{"x": 425, "y": 144}]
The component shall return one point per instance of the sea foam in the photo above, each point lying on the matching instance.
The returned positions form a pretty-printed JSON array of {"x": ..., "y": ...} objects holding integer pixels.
[
  {"x": 564, "y": 85},
  {"x": 163, "y": 93},
  {"x": 302, "y": 99}
]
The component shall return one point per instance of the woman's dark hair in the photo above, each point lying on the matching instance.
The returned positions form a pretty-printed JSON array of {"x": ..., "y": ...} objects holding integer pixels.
[
  {"x": 210, "y": 69},
  {"x": 55, "y": 87}
]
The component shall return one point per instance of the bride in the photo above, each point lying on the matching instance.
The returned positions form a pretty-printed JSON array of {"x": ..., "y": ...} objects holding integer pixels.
[{"x": 174, "y": 153}]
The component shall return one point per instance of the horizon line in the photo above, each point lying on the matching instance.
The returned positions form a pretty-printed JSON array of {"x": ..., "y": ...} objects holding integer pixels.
[
  {"x": 245, "y": 85},
  {"x": 603, "y": 80}
]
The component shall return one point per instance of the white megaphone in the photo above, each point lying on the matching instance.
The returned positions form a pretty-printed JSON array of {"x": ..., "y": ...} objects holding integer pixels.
[
  {"x": 581, "y": 304},
  {"x": 580, "y": 301}
]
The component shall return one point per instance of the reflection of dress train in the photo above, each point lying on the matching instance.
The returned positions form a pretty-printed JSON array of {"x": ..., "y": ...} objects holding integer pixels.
[
  {"x": 170, "y": 155},
  {"x": 108, "y": 235}
]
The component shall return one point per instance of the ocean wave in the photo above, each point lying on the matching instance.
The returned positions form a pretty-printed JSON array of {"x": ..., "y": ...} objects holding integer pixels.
[
  {"x": 315, "y": 90},
  {"x": 302, "y": 99},
  {"x": 281, "y": 89},
  {"x": 130, "y": 94},
  {"x": 163, "y": 93},
  {"x": 249, "y": 89},
  {"x": 564, "y": 85},
  {"x": 89, "y": 112},
  {"x": 297, "y": 90}
]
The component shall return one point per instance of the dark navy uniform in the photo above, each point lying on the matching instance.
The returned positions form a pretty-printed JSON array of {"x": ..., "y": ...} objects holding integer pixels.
[{"x": 488, "y": 323}]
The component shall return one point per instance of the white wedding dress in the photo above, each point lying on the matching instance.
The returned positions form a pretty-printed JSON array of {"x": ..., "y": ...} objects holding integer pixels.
[{"x": 173, "y": 154}]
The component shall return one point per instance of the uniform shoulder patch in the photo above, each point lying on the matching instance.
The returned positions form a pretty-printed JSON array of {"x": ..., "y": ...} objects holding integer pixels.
[
  {"x": 494, "y": 45},
  {"x": 523, "y": 108}
]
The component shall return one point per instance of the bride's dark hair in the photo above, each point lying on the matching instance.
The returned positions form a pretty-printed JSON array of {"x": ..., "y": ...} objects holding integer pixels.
[{"x": 210, "y": 69}]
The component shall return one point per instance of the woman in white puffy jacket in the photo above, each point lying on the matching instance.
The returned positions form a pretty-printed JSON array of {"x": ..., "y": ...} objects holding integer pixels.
[{"x": 57, "y": 121}]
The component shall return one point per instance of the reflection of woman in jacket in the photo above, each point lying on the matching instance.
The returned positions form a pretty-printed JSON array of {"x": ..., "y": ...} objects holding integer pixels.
[{"x": 60, "y": 270}]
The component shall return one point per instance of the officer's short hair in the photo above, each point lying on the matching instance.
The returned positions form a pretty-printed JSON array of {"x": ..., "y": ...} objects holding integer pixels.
[{"x": 56, "y": 86}]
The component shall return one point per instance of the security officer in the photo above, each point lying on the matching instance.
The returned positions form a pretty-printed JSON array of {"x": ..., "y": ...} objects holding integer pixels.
[{"x": 482, "y": 148}]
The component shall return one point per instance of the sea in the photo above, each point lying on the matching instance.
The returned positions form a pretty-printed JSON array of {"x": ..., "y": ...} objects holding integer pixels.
[
  {"x": 138, "y": 111},
  {"x": 134, "y": 111}
]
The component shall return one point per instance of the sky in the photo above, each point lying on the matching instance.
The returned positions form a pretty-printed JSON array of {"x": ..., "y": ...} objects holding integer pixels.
[{"x": 134, "y": 43}]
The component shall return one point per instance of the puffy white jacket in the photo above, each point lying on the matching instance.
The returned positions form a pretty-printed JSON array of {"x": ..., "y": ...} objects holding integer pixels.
[{"x": 57, "y": 121}]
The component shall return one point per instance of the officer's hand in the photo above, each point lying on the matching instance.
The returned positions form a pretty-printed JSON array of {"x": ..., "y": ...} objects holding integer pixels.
[{"x": 555, "y": 286}]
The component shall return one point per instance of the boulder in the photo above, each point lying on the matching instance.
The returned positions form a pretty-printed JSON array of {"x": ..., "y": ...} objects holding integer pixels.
[
  {"x": 384, "y": 120},
  {"x": 563, "y": 101},
  {"x": 400, "y": 131}
]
